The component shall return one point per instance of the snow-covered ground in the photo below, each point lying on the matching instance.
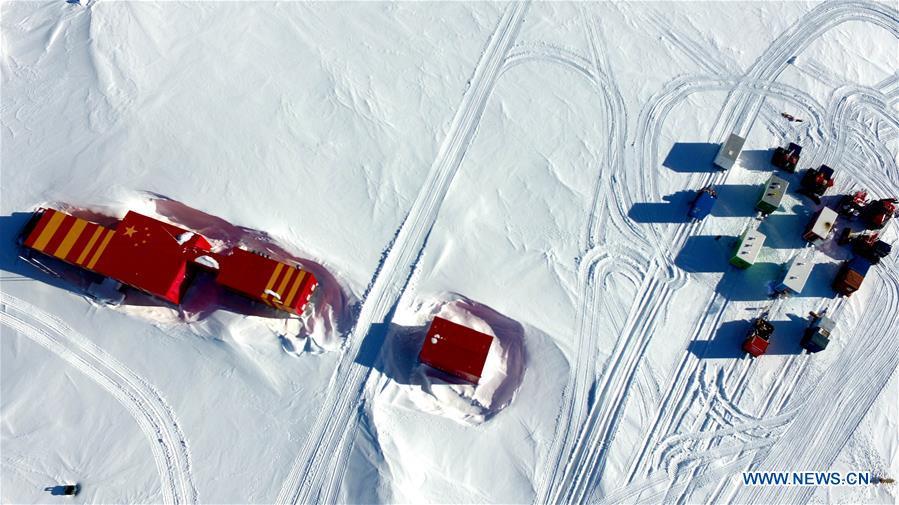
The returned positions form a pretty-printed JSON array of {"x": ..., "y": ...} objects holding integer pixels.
[{"x": 523, "y": 167}]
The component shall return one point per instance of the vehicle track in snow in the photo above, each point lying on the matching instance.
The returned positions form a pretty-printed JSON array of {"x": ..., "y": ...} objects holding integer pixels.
[
  {"x": 151, "y": 412},
  {"x": 600, "y": 259},
  {"x": 307, "y": 480},
  {"x": 739, "y": 122}
]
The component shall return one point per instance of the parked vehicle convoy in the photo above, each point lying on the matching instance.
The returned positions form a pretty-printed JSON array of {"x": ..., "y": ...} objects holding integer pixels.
[
  {"x": 786, "y": 158},
  {"x": 703, "y": 203},
  {"x": 817, "y": 335},
  {"x": 759, "y": 336},
  {"x": 161, "y": 259},
  {"x": 815, "y": 182}
]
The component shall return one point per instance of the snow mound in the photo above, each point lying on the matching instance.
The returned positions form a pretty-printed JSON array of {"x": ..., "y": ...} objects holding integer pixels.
[{"x": 422, "y": 388}]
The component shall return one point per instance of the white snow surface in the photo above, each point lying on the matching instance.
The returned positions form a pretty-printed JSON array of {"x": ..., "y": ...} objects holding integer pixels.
[{"x": 522, "y": 168}]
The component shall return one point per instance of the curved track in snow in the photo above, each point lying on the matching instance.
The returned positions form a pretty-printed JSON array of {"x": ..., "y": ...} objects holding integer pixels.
[
  {"x": 152, "y": 414},
  {"x": 307, "y": 480}
]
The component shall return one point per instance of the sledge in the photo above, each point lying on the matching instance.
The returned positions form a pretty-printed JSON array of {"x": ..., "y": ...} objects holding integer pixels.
[{"x": 703, "y": 203}]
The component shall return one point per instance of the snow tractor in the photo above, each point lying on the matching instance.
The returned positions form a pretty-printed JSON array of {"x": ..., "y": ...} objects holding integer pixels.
[
  {"x": 817, "y": 335},
  {"x": 759, "y": 336},
  {"x": 876, "y": 214},
  {"x": 703, "y": 203},
  {"x": 815, "y": 183},
  {"x": 866, "y": 244},
  {"x": 786, "y": 158},
  {"x": 851, "y": 276},
  {"x": 851, "y": 205}
]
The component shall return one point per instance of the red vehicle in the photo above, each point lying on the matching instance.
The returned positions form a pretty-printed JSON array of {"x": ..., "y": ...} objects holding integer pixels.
[
  {"x": 786, "y": 158},
  {"x": 759, "y": 337},
  {"x": 867, "y": 245},
  {"x": 816, "y": 182},
  {"x": 160, "y": 259},
  {"x": 876, "y": 214},
  {"x": 851, "y": 205}
]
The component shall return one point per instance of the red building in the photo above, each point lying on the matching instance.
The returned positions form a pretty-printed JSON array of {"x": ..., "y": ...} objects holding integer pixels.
[
  {"x": 274, "y": 283},
  {"x": 158, "y": 258},
  {"x": 456, "y": 349}
]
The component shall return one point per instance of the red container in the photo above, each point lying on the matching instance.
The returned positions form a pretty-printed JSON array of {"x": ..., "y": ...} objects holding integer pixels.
[
  {"x": 67, "y": 238},
  {"x": 277, "y": 284},
  {"x": 151, "y": 255},
  {"x": 456, "y": 349},
  {"x": 755, "y": 345}
]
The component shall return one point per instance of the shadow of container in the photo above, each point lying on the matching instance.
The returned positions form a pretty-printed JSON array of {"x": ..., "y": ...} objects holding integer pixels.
[
  {"x": 753, "y": 284},
  {"x": 705, "y": 254},
  {"x": 726, "y": 344},
  {"x": 737, "y": 200},
  {"x": 673, "y": 210},
  {"x": 69, "y": 278},
  {"x": 784, "y": 231},
  {"x": 820, "y": 281},
  {"x": 759, "y": 159},
  {"x": 692, "y": 157}
]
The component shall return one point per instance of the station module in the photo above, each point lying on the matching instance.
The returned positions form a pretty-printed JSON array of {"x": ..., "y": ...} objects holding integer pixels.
[
  {"x": 159, "y": 258},
  {"x": 456, "y": 350}
]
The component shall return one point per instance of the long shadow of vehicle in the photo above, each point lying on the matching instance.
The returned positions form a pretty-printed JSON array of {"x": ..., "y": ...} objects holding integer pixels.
[{"x": 728, "y": 340}]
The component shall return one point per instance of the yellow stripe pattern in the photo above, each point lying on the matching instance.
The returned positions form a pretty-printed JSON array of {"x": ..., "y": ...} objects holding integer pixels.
[
  {"x": 271, "y": 281},
  {"x": 282, "y": 285},
  {"x": 44, "y": 238},
  {"x": 100, "y": 249},
  {"x": 89, "y": 246},
  {"x": 294, "y": 288},
  {"x": 74, "y": 232}
]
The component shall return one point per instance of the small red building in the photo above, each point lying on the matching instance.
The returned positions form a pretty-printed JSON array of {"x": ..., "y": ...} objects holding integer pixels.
[
  {"x": 456, "y": 349},
  {"x": 277, "y": 284}
]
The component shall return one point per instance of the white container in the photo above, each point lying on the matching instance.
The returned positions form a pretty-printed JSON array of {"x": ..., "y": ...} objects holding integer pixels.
[{"x": 729, "y": 152}]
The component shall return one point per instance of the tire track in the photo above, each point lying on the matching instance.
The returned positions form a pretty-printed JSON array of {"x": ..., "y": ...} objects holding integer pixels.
[
  {"x": 703, "y": 60},
  {"x": 153, "y": 415},
  {"x": 304, "y": 483}
]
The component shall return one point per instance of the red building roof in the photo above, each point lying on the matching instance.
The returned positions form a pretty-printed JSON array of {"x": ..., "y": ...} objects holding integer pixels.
[
  {"x": 455, "y": 349},
  {"x": 151, "y": 255},
  {"x": 68, "y": 238},
  {"x": 154, "y": 256},
  {"x": 283, "y": 286}
]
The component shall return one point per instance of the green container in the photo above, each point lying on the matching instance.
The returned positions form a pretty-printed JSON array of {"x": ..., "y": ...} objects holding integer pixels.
[{"x": 748, "y": 248}]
